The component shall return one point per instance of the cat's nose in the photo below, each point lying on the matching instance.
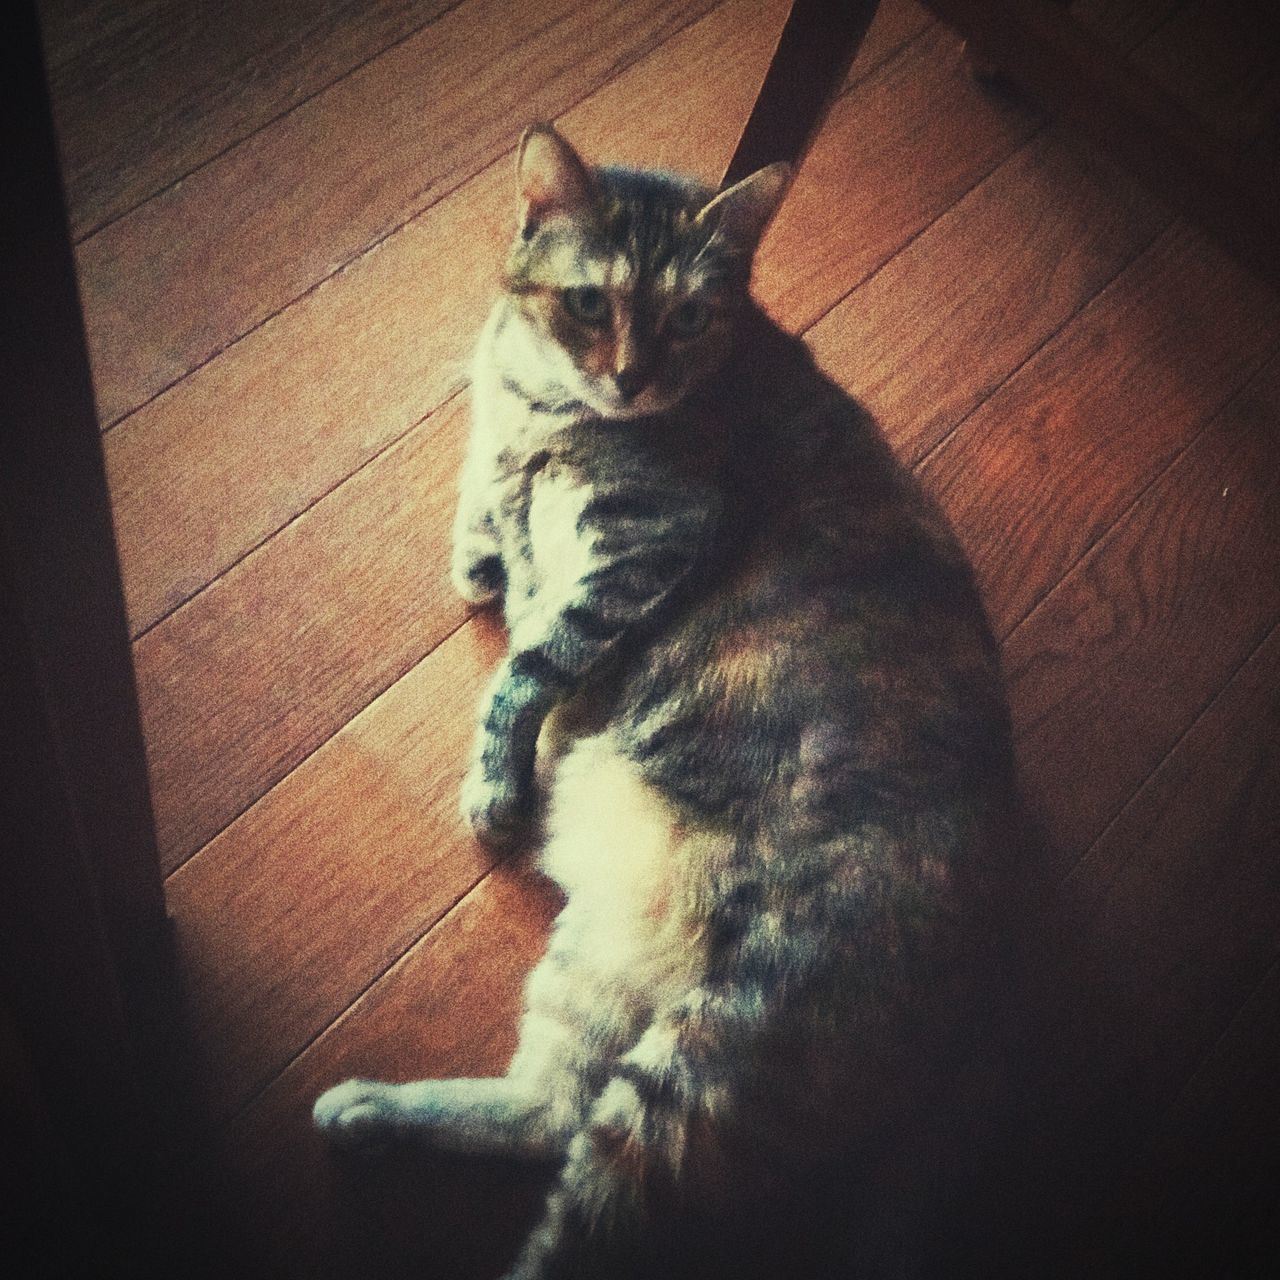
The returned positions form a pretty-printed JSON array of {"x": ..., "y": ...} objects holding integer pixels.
[{"x": 631, "y": 381}]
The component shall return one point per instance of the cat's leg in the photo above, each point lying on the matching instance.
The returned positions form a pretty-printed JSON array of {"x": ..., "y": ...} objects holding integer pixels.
[
  {"x": 476, "y": 568},
  {"x": 573, "y": 1023},
  {"x": 489, "y": 1116},
  {"x": 597, "y": 584},
  {"x": 660, "y": 1128}
]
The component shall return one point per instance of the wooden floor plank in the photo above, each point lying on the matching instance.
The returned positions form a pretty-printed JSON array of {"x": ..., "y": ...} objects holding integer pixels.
[
  {"x": 211, "y": 469},
  {"x": 145, "y": 94},
  {"x": 1176, "y": 910},
  {"x": 928, "y": 338},
  {"x": 1148, "y": 951},
  {"x": 1039, "y": 472},
  {"x": 198, "y": 266},
  {"x": 332, "y": 875},
  {"x": 1140, "y": 636},
  {"x": 254, "y": 674},
  {"x": 863, "y": 191}
]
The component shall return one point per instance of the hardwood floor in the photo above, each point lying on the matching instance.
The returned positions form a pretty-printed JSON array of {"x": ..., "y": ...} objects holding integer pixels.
[{"x": 288, "y": 223}]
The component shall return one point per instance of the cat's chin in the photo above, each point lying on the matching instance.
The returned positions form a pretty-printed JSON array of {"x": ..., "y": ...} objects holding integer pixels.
[{"x": 616, "y": 409}]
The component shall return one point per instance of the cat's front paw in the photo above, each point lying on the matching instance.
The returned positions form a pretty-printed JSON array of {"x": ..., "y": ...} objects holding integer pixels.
[
  {"x": 497, "y": 809},
  {"x": 357, "y": 1114},
  {"x": 477, "y": 575}
]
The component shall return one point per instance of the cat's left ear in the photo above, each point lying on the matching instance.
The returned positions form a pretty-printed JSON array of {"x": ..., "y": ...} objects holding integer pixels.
[
  {"x": 743, "y": 211},
  {"x": 550, "y": 178}
]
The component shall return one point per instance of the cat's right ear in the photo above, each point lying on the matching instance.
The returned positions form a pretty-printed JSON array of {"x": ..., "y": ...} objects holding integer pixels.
[
  {"x": 743, "y": 211},
  {"x": 550, "y": 177}
]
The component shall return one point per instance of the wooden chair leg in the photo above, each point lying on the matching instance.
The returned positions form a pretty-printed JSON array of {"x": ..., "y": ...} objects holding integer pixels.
[{"x": 818, "y": 44}]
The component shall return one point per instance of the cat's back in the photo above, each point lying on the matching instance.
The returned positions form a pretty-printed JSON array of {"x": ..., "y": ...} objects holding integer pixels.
[{"x": 837, "y": 648}]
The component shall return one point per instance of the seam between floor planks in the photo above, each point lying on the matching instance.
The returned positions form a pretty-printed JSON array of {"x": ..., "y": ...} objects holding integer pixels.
[
  {"x": 1067, "y": 876},
  {"x": 1250, "y": 379},
  {"x": 1168, "y": 1117},
  {"x": 384, "y": 448},
  {"x": 1065, "y": 879},
  {"x": 403, "y": 957},
  {"x": 924, "y": 458},
  {"x": 418, "y": 210},
  {"x": 265, "y": 124},
  {"x": 330, "y": 214},
  {"x": 1256, "y": 375}
]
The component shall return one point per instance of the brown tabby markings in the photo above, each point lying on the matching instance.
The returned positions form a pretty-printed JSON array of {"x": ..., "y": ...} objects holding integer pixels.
[{"x": 752, "y": 710}]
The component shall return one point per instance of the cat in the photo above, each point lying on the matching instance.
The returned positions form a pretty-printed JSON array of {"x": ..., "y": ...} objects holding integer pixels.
[{"x": 751, "y": 710}]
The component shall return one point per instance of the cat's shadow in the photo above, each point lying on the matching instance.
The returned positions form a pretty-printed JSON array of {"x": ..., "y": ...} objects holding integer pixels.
[{"x": 406, "y": 1211}]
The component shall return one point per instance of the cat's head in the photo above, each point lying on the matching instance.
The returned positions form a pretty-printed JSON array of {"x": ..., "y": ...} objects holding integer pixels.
[{"x": 630, "y": 281}]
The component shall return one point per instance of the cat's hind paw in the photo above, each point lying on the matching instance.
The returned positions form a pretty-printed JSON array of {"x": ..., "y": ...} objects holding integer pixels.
[{"x": 357, "y": 1114}]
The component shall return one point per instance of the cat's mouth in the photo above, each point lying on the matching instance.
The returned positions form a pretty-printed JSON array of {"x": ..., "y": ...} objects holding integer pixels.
[{"x": 612, "y": 404}]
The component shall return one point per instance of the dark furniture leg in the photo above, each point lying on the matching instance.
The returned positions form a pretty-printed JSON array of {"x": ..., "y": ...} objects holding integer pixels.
[{"x": 818, "y": 44}]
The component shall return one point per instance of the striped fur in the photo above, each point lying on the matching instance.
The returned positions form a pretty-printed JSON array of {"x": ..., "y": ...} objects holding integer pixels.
[{"x": 751, "y": 707}]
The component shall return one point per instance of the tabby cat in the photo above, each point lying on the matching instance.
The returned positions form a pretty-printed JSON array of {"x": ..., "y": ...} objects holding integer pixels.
[{"x": 751, "y": 711}]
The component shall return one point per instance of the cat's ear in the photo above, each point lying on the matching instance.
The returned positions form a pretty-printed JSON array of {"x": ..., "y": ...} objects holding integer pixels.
[
  {"x": 743, "y": 211},
  {"x": 550, "y": 178}
]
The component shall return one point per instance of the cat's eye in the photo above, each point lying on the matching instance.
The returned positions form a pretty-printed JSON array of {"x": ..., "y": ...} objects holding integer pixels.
[
  {"x": 587, "y": 304},
  {"x": 689, "y": 319}
]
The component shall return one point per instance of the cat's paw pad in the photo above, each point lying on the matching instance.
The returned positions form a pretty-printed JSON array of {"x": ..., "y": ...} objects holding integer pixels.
[
  {"x": 478, "y": 579},
  {"x": 498, "y": 811},
  {"x": 357, "y": 1114}
]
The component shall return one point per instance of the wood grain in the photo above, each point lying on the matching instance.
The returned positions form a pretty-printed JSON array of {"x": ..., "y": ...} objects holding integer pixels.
[
  {"x": 1040, "y": 471},
  {"x": 332, "y": 876},
  {"x": 1140, "y": 636},
  {"x": 254, "y": 674},
  {"x": 199, "y": 265},
  {"x": 148, "y": 93},
  {"x": 934, "y": 332}
]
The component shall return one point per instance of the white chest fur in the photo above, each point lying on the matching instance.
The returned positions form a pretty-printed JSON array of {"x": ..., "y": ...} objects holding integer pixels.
[
  {"x": 625, "y": 863},
  {"x": 560, "y": 552}
]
